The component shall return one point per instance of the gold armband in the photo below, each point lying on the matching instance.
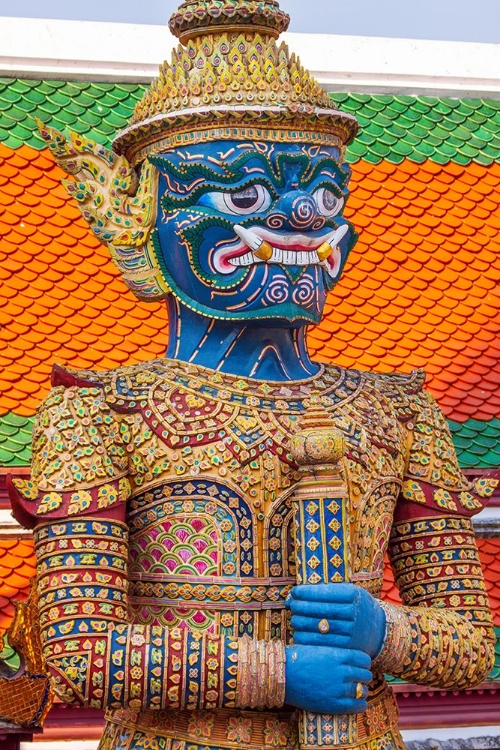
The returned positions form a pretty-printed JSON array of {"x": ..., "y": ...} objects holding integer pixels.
[
  {"x": 261, "y": 674},
  {"x": 398, "y": 639}
]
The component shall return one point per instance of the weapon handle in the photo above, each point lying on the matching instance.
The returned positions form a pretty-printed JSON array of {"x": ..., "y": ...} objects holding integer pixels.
[{"x": 322, "y": 549}]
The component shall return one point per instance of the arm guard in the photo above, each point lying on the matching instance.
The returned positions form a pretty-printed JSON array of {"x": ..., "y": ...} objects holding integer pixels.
[
  {"x": 76, "y": 502},
  {"x": 443, "y": 635}
]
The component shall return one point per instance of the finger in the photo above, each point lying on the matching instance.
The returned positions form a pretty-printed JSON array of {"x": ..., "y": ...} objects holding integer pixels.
[
  {"x": 323, "y": 610},
  {"x": 355, "y": 675},
  {"x": 353, "y": 690},
  {"x": 325, "y": 592},
  {"x": 360, "y": 659},
  {"x": 319, "y": 639},
  {"x": 311, "y": 625}
]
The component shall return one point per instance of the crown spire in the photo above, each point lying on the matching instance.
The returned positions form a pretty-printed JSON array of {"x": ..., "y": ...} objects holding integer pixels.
[
  {"x": 230, "y": 79},
  {"x": 195, "y": 18}
]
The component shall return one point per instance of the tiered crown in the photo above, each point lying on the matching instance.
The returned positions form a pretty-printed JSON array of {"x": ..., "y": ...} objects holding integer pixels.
[
  {"x": 231, "y": 80},
  {"x": 195, "y": 18}
]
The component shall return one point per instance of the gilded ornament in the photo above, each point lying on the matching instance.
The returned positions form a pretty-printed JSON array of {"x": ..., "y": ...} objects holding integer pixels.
[
  {"x": 324, "y": 626},
  {"x": 166, "y": 497}
]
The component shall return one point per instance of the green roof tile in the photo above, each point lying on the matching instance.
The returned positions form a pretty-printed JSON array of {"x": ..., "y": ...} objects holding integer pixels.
[
  {"x": 392, "y": 127},
  {"x": 495, "y": 672},
  {"x": 15, "y": 439},
  {"x": 97, "y": 110},
  {"x": 477, "y": 443},
  {"x": 442, "y": 129}
]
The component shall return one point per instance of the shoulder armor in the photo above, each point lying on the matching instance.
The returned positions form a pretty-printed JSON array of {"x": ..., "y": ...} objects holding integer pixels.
[
  {"x": 73, "y": 470},
  {"x": 398, "y": 383},
  {"x": 464, "y": 501},
  {"x": 70, "y": 378},
  {"x": 398, "y": 388}
]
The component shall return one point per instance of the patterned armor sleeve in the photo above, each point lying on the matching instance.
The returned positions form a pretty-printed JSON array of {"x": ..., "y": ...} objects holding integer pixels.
[
  {"x": 442, "y": 636},
  {"x": 76, "y": 502}
]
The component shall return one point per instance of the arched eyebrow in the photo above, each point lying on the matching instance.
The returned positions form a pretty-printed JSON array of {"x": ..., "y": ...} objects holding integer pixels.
[
  {"x": 230, "y": 166},
  {"x": 329, "y": 168}
]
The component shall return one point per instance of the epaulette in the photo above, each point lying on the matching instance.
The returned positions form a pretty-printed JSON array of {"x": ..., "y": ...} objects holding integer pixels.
[
  {"x": 70, "y": 378},
  {"x": 400, "y": 389},
  {"x": 398, "y": 382}
]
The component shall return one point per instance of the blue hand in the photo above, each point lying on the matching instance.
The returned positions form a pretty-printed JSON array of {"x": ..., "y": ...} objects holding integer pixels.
[
  {"x": 325, "y": 680},
  {"x": 355, "y": 618}
]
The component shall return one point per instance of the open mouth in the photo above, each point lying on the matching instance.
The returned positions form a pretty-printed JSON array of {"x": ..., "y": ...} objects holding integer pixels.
[{"x": 260, "y": 245}]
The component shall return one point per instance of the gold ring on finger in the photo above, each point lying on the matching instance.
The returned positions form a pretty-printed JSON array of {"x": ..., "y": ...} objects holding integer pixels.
[
  {"x": 324, "y": 626},
  {"x": 360, "y": 691}
]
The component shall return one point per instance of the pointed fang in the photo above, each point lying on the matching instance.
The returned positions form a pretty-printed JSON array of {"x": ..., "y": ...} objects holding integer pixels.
[
  {"x": 265, "y": 251},
  {"x": 331, "y": 242},
  {"x": 259, "y": 247}
]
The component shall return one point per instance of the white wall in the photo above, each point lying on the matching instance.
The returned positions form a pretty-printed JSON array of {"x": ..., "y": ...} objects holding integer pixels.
[{"x": 128, "y": 52}]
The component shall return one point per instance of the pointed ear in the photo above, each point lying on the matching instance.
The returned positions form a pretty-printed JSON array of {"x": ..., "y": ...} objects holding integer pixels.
[{"x": 119, "y": 205}]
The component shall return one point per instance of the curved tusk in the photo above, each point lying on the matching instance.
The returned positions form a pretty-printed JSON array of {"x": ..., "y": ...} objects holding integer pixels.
[
  {"x": 259, "y": 247},
  {"x": 331, "y": 242}
]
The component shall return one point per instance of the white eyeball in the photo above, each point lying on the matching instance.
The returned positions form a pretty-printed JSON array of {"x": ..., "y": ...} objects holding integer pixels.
[
  {"x": 328, "y": 203},
  {"x": 251, "y": 200}
]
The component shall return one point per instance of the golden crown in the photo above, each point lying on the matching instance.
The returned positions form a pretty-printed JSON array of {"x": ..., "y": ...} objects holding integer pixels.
[
  {"x": 230, "y": 79},
  {"x": 195, "y": 18}
]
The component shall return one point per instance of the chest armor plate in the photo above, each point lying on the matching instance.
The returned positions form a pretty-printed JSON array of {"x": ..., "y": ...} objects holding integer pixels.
[{"x": 211, "y": 512}]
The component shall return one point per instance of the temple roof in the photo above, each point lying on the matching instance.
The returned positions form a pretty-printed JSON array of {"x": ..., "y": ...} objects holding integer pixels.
[{"x": 419, "y": 291}]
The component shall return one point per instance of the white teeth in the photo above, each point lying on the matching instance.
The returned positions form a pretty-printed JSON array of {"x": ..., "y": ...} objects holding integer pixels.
[
  {"x": 242, "y": 260},
  {"x": 285, "y": 257},
  {"x": 290, "y": 257}
]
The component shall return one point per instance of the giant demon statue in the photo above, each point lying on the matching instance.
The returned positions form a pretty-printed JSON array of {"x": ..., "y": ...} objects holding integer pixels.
[{"x": 194, "y": 514}]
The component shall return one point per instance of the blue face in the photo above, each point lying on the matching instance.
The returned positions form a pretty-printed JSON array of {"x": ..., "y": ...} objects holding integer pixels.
[{"x": 253, "y": 231}]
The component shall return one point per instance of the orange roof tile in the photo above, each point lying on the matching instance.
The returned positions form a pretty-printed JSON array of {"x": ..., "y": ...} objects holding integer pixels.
[
  {"x": 17, "y": 566},
  {"x": 443, "y": 283},
  {"x": 424, "y": 273}
]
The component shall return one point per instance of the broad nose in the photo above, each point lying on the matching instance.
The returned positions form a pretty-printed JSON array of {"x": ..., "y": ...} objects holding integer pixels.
[{"x": 296, "y": 210}]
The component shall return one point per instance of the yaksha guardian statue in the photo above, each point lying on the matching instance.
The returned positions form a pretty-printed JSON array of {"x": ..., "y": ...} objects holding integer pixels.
[{"x": 194, "y": 514}]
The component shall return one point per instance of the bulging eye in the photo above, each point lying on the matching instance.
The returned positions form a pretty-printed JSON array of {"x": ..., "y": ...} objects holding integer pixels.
[
  {"x": 328, "y": 203},
  {"x": 251, "y": 200}
]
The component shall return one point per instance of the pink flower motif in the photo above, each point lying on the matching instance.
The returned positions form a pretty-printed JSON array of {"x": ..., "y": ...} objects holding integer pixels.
[
  {"x": 275, "y": 733},
  {"x": 239, "y": 729}
]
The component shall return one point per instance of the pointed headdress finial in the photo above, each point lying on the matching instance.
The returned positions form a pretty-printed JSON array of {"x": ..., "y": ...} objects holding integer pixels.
[
  {"x": 195, "y": 18},
  {"x": 230, "y": 79}
]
